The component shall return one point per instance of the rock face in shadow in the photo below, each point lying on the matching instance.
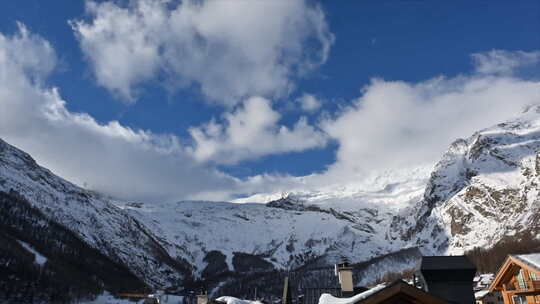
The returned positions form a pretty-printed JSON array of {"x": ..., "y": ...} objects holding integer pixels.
[
  {"x": 245, "y": 262},
  {"x": 40, "y": 259},
  {"x": 216, "y": 264}
]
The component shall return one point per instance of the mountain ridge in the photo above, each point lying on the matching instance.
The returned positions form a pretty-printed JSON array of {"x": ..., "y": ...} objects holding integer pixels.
[{"x": 484, "y": 188}]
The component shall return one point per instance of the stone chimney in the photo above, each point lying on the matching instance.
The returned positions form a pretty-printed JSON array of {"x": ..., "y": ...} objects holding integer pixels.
[
  {"x": 344, "y": 273},
  {"x": 202, "y": 298}
]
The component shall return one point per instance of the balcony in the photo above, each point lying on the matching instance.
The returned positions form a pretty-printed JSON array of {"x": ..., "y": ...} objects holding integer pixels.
[{"x": 530, "y": 285}]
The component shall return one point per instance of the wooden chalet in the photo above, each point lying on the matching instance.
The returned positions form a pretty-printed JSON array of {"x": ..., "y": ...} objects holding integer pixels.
[{"x": 518, "y": 279}]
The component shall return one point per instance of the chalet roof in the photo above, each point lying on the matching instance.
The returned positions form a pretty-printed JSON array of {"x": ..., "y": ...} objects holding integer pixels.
[
  {"x": 446, "y": 263},
  {"x": 532, "y": 259},
  {"x": 396, "y": 290},
  {"x": 330, "y": 299},
  {"x": 233, "y": 300},
  {"x": 511, "y": 266}
]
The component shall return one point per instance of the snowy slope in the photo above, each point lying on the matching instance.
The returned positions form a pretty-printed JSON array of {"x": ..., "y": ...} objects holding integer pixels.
[
  {"x": 485, "y": 187},
  {"x": 285, "y": 238},
  {"x": 92, "y": 217},
  {"x": 387, "y": 190}
]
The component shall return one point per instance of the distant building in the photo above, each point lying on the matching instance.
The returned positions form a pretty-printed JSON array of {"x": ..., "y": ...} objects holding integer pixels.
[
  {"x": 488, "y": 297},
  {"x": 483, "y": 281},
  {"x": 482, "y": 295},
  {"x": 518, "y": 279}
]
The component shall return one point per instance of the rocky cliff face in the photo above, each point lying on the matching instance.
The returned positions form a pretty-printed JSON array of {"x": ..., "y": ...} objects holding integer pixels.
[{"x": 484, "y": 188}]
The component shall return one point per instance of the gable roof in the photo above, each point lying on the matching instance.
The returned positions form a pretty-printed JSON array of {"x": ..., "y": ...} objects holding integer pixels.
[
  {"x": 511, "y": 266},
  {"x": 394, "y": 291},
  {"x": 532, "y": 260}
]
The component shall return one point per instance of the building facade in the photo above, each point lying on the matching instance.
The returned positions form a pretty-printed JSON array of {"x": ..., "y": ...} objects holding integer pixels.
[{"x": 518, "y": 279}]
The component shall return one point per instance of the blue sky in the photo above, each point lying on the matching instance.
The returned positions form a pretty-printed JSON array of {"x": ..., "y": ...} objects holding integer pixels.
[{"x": 414, "y": 48}]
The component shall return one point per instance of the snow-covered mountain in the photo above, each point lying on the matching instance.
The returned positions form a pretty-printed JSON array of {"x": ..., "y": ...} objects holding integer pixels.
[
  {"x": 92, "y": 217},
  {"x": 165, "y": 244},
  {"x": 483, "y": 189}
]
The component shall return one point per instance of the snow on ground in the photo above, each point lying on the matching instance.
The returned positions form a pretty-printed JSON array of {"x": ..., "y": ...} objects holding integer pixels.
[
  {"x": 39, "y": 258},
  {"x": 107, "y": 298},
  {"x": 233, "y": 300}
]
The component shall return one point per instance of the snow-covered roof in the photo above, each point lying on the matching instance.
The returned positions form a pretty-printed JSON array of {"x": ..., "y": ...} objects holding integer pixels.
[
  {"x": 233, "y": 300},
  {"x": 327, "y": 298},
  {"x": 482, "y": 280},
  {"x": 480, "y": 294},
  {"x": 533, "y": 259}
]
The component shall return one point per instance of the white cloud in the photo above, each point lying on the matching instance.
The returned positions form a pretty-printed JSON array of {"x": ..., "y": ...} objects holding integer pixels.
[
  {"x": 396, "y": 130},
  {"x": 504, "y": 62},
  {"x": 250, "y": 132},
  {"x": 309, "y": 103},
  {"x": 111, "y": 158},
  {"x": 397, "y": 124},
  {"x": 392, "y": 124},
  {"x": 229, "y": 49}
]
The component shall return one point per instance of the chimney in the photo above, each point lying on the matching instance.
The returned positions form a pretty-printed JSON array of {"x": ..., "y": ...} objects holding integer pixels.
[
  {"x": 202, "y": 298},
  {"x": 344, "y": 273},
  {"x": 448, "y": 277}
]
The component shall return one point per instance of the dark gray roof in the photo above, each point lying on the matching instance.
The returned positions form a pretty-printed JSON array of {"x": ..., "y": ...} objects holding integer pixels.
[{"x": 446, "y": 263}]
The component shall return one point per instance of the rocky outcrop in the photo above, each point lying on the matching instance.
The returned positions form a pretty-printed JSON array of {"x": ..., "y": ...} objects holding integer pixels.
[{"x": 484, "y": 188}]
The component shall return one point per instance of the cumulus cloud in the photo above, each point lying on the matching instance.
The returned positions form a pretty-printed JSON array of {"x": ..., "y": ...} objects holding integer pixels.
[
  {"x": 392, "y": 124},
  {"x": 228, "y": 49},
  {"x": 111, "y": 158},
  {"x": 252, "y": 131},
  {"x": 397, "y": 124},
  {"x": 396, "y": 130}
]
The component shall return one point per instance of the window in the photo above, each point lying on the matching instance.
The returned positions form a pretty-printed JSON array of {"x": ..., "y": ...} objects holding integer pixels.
[
  {"x": 533, "y": 276},
  {"x": 521, "y": 280},
  {"x": 519, "y": 299}
]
